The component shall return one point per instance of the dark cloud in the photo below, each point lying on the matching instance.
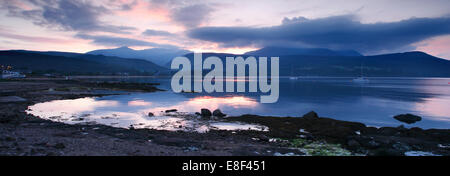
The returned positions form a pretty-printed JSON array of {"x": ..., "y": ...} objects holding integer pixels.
[
  {"x": 120, "y": 41},
  {"x": 338, "y": 32},
  {"x": 187, "y": 13},
  {"x": 191, "y": 16},
  {"x": 66, "y": 14},
  {"x": 152, "y": 32}
]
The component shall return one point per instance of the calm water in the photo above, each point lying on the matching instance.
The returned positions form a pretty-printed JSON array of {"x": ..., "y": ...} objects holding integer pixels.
[{"x": 373, "y": 103}]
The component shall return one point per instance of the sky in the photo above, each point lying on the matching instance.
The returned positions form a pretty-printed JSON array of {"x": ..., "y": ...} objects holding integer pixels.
[{"x": 233, "y": 26}]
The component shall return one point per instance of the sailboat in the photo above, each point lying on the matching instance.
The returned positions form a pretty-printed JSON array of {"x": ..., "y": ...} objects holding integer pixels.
[
  {"x": 361, "y": 79},
  {"x": 293, "y": 77},
  {"x": 292, "y": 73}
]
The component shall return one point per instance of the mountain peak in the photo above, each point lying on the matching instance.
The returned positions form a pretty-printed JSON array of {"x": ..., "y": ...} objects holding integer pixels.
[
  {"x": 410, "y": 54},
  {"x": 418, "y": 53},
  {"x": 124, "y": 48},
  {"x": 159, "y": 56}
]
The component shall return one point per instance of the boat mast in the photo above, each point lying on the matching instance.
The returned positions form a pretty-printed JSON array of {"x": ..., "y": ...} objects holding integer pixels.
[{"x": 362, "y": 74}]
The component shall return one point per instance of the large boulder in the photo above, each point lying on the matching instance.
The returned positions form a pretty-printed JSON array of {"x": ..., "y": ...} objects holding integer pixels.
[
  {"x": 218, "y": 113},
  {"x": 205, "y": 113},
  {"x": 171, "y": 110},
  {"x": 353, "y": 144},
  {"x": 311, "y": 115},
  {"x": 408, "y": 118}
]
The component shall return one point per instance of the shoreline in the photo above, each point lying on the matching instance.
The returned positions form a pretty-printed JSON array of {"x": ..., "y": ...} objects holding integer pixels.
[{"x": 24, "y": 134}]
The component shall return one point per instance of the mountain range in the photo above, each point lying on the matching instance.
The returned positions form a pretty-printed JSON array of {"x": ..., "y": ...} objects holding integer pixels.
[
  {"x": 408, "y": 64},
  {"x": 76, "y": 63},
  {"x": 284, "y": 51},
  {"x": 293, "y": 62}
]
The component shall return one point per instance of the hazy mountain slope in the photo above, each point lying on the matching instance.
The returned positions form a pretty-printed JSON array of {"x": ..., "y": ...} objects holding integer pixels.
[
  {"x": 52, "y": 53},
  {"x": 160, "y": 56},
  {"x": 282, "y": 51},
  {"x": 134, "y": 64},
  {"x": 138, "y": 64},
  {"x": 410, "y": 64},
  {"x": 77, "y": 63}
]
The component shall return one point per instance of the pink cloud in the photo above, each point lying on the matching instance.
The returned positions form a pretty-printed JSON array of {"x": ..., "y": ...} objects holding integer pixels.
[
  {"x": 20, "y": 4},
  {"x": 146, "y": 10},
  {"x": 437, "y": 46}
]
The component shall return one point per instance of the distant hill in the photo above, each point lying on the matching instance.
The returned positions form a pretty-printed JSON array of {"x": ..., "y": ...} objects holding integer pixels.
[
  {"x": 283, "y": 51},
  {"x": 75, "y": 63},
  {"x": 409, "y": 64},
  {"x": 160, "y": 56}
]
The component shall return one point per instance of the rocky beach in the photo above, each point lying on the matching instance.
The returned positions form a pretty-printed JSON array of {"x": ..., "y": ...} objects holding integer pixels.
[{"x": 22, "y": 134}]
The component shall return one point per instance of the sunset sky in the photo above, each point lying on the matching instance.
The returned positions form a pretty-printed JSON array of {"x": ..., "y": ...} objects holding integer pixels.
[{"x": 235, "y": 26}]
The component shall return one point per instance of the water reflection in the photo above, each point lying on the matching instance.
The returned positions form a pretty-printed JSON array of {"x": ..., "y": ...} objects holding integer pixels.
[
  {"x": 216, "y": 102},
  {"x": 374, "y": 103},
  {"x": 436, "y": 107},
  {"x": 135, "y": 114},
  {"x": 73, "y": 106},
  {"x": 139, "y": 103}
]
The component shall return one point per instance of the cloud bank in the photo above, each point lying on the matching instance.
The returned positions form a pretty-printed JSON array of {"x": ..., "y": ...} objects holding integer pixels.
[
  {"x": 70, "y": 15},
  {"x": 120, "y": 41},
  {"x": 191, "y": 16},
  {"x": 153, "y": 32},
  {"x": 336, "y": 32}
]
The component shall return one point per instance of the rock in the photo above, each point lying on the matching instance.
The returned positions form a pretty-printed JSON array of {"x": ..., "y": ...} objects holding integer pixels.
[
  {"x": 218, "y": 113},
  {"x": 78, "y": 119},
  {"x": 353, "y": 144},
  {"x": 368, "y": 142},
  {"x": 205, "y": 113},
  {"x": 408, "y": 118},
  {"x": 373, "y": 144},
  {"x": 303, "y": 131},
  {"x": 311, "y": 115},
  {"x": 4, "y": 119},
  {"x": 388, "y": 131},
  {"x": 401, "y": 147},
  {"x": 60, "y": 146},
  {"x": 197, "y": 113},
  {"x": 150, "y": 114},
  {"x": 264, "y": 138},
  {"x": 178, "y": 142},
  {"x": 171, "y": 110},
  {"x": 9, "y": 138},
  {"x": 51, "y": 154},
  {"x": 386, "y": 152},
  {"x": 191, "y": 149}
]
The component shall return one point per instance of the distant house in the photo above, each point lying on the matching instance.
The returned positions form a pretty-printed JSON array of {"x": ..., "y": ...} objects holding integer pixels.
[{"x": 5, "y": 74}]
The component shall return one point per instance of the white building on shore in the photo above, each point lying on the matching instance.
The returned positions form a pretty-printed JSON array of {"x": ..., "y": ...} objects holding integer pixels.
[{"x": 5, "y": 74}]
